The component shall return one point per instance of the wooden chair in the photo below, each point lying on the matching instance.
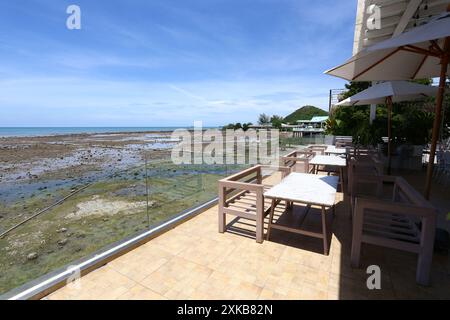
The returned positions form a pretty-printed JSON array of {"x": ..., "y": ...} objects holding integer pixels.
[
  {"x": 366, "y": 167},
  {"x": 343, "y": 141},
  {"x": 405, "y": 222},
  {"x": 298, "y": 161},
  {"x": 242, "y": 195},
  {"x": 317, "y": 149},
  {"x": 366, "y": 154}
]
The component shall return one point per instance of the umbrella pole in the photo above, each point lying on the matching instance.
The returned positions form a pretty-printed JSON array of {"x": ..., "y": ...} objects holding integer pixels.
[
  {"x": 437, "y": 116},
  {"x": 389, "y": 105}
]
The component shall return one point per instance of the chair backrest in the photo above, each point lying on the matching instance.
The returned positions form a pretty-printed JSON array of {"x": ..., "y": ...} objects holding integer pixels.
[
  {"x": 343, "y": 141},
  {"x": 317, "y": 150},
  {"x": 298, "y": 161},
  {"x": 365, "y": 154},
  {"x": 248, "y": 180},
  {"x": 370, "y": 174},
  {"x": 250, "y": 175},
  {"x": 359, "y": 171}
]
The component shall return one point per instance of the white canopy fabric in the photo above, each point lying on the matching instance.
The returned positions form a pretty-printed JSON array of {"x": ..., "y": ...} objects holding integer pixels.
[
  {"x": 422, "y": 52},
  {"x": 437, "y": 28},
  {"x": 404, "y": 57},
  {"x": 398, "y": 90}
]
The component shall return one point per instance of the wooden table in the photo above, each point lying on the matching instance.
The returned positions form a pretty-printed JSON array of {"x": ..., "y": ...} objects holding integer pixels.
[
  {"x": 333, "y": 150},
  {"x": 331, "y": 161},
  {"x": 309, "y": 189}
]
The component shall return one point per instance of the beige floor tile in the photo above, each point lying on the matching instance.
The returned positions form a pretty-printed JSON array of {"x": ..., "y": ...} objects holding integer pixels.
[
  {"x": 175, "y": 276},
  {"x": 195, "y": 261},
  {"x": 138, "y": 267},
  {"x": 104, "y": 283},
  {"x": 139, "y": 292}
]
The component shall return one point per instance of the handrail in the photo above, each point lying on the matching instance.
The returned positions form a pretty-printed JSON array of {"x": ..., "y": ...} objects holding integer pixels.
[{"x": 45, "y": 209}]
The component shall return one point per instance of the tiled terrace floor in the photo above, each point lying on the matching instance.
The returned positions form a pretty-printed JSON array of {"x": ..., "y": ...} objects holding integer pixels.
[{"x": 194, "y": 261}]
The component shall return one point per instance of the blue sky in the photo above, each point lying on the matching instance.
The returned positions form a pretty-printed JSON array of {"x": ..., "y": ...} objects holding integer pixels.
[{"x": 168, "y": 63}]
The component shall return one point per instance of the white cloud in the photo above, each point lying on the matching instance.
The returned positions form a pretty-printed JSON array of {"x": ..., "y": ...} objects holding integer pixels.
[{"x": 151, "y": 103}]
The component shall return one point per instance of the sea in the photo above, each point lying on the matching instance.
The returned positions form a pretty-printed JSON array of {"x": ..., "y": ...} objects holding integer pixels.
[{"x": 53, "y": 131}]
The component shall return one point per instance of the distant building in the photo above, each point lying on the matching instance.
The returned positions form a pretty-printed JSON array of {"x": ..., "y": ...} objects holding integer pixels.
[{"x": 314, "y": 126}]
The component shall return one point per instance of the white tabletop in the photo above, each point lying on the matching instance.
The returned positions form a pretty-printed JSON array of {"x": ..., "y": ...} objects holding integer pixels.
[
  {"x": 334, "y": 150},
  {"x": 306, "y": 188},
  {"x": 328, "y": 161}
]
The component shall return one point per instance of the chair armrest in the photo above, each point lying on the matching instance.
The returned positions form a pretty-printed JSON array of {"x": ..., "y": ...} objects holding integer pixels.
[
  {"x": 412, "y": 195},
  {"x": 242, "y": 174},
  {"x": 279, "y": 168},
  {"x": 355, "y": 179},
  {"x": 294, "y": 160},
  {"x": 236, "y": 185},
  {"x": 291, "y": 154},
  {"x": 374, "y": 178}
]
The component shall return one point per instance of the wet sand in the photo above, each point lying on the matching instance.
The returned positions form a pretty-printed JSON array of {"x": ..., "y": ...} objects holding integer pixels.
[{"x": 53, "y": 156}]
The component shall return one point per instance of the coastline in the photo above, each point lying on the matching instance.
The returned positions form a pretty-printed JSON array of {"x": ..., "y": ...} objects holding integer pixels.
[
  {"x": 22, "y": 132},
  {"x": 51, "y": 155}
]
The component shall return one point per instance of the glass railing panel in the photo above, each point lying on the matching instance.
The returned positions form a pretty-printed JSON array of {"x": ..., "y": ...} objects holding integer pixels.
[
  {"x": 289, "y": 142},
  {"x": 93, "y": 214},
  {"x": 78, "y": 216}
]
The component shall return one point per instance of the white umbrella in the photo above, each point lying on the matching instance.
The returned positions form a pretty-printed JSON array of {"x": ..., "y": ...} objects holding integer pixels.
[
  {"x": 398, "y": 90},
  {"x": 422, "y": 52},
  {"x": 416, "y": 54},
  {"x": 387, "y": 93}
]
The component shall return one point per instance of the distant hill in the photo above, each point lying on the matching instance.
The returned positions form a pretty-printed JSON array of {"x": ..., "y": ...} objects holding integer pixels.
[{"x": 304, "y": 113}]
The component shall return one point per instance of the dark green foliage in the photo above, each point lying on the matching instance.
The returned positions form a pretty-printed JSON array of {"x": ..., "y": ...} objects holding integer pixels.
[
  {"x": 263, "y": 119},
  {"x": 238, "y": 125},
  {"x": 354, "y": 121},
  {"x": 304, "y": 113},
  {"x": 411, "y": 123},
  {"x": 426, "y": 82},
  {"x": 246, "y": 126},
  {"x": 276, "y": 121},
  {"x": 446, "y": 116},
  {"x": 353, "y": 88}
]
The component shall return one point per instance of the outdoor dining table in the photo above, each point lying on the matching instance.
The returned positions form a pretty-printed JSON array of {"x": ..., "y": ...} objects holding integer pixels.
[
  {"x": 309, "y": 189},
  {"x": 333, "y": 150},
  {"x": 330, "y": 161}
]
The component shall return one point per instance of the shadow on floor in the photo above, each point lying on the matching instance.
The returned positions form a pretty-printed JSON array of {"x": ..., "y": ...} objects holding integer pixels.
[{"x": 398, "y": 268}]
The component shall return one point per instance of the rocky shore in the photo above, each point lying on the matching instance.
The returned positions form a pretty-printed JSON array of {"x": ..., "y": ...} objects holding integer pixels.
[{"x": 123, "y": 195}]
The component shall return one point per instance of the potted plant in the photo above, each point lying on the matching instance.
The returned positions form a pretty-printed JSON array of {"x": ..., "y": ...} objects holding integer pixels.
[{"x": 414, "y": 129}]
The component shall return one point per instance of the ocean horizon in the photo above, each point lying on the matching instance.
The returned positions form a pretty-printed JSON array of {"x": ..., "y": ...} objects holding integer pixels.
[{"x": 53, "y": 131}]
